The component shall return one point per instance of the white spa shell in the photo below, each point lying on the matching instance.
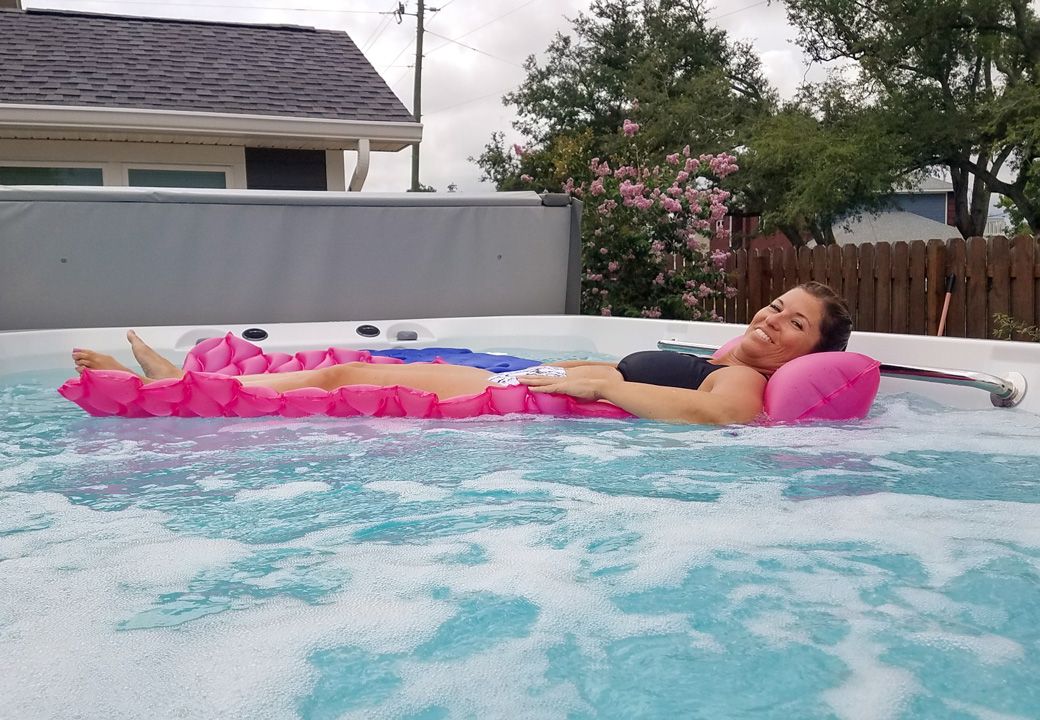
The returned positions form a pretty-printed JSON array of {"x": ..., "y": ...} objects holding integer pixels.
[{"x": 42, "y": 350}]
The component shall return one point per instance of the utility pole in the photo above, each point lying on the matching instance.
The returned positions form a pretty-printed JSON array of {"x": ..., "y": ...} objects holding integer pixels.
[{"x": 417, "y": 89}]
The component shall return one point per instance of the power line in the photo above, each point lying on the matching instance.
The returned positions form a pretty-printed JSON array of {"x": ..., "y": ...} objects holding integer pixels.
[
  {"x": 739, "y": 10},
  {"x": 405, "y": 49},
  {"x": 481, "y": 27},
  {"x": 377, "y": 33},
  {"x": 470, "y": 47},
  {"x": 207, "y": 6},
  {"x": 466, "y": 102}
]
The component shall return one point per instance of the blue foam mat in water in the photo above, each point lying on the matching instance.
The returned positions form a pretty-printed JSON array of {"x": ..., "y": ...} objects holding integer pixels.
[{"x": 459, "y": 356}]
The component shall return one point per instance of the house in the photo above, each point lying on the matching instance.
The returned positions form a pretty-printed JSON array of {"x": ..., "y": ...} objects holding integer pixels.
[
  {"x": 921, "y": 213},
  {"x": 89, "y": 99}
]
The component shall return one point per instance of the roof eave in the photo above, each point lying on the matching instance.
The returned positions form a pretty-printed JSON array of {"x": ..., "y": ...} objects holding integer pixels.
[{"x": 130, "y": 124}]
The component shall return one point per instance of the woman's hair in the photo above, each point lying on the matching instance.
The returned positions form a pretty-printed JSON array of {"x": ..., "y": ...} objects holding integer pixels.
[{"x": 837, "y": 320}]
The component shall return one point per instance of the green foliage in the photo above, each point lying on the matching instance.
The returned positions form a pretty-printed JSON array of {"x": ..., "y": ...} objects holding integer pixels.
[
  {"x": 1005, "y": 327},
  {"x": 693, "y": 85},
  {"x": 957, "y": 80},
  {"x": 817, "y": 162}
]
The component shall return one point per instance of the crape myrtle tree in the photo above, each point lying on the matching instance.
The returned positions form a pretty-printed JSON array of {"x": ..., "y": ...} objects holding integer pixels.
[{"x": 957, "y": 80}]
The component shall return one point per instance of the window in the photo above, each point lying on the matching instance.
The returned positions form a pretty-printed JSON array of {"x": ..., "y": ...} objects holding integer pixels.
[
  {"x": 139, "y": 177},
  {"x": 14, "y": 175}
]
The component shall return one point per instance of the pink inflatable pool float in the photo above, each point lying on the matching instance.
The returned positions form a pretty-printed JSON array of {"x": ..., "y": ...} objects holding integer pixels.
[{"x": 822, "y": 386}]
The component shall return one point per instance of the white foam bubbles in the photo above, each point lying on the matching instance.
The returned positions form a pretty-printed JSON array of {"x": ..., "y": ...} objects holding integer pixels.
[{"x": 285, "y": 491}]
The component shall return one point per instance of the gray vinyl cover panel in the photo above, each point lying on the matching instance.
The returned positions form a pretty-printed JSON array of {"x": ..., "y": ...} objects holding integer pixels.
[{"x": 103, "y": 257}]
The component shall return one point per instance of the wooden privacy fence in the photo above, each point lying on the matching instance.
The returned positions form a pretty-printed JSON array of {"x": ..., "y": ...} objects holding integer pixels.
[{"x": 900, "y": 287}]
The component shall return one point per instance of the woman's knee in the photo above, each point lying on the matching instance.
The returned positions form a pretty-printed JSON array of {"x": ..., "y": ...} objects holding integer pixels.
[{"x": 336, "y": 376}]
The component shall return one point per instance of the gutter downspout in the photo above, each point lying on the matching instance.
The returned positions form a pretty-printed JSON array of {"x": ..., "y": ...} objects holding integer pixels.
[{"x": 357, "y": 179}]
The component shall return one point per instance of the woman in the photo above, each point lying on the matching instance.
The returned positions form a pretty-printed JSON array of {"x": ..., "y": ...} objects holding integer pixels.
[{"x": 654, "y": 385}]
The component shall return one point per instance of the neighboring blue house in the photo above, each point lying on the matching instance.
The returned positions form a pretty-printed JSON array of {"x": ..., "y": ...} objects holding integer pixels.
[{"x": 923, "y": 213}]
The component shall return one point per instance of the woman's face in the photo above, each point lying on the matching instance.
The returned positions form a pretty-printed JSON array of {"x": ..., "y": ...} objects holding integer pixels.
[{"x": 787, "y": 328}]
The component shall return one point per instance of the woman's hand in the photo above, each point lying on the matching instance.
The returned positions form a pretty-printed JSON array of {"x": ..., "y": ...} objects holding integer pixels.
[{"x": 580, "y": 388}]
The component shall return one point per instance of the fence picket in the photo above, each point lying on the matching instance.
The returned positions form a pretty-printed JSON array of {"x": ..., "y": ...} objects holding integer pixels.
[
  {"x": 918, "y": 288},
  {"x": 776, "y": 273},
  {"x": 1000, "y": 275},
  {"x": 956, "y": 265},
  {"x": 819, "y": 264},
  {"x": 850, "y": 278},
  {"x": 976, "y": 288},
  {"x": 935, "y": 284},
  {"x": 883, "y": 287},
  {"x": 1023, "y": 262},
  {"x": 730, "y": 313},
  {"x": 867, "y": 288},
  {"x": 834, "y": 275},
  {"x": 901, "y": 288}
]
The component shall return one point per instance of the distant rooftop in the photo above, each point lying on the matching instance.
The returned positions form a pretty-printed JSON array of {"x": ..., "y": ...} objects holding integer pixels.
[
  {"x": 928, "y": 185},
  {"x": 891, "y": 226},
  {"x": 59, "y": 58}
]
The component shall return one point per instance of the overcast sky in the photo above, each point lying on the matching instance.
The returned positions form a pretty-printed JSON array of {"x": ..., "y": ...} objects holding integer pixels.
[{"x": 462, "y": 86}]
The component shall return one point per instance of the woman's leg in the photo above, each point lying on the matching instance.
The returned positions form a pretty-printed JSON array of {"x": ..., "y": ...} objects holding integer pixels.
[{"x": 445, "y": 381}]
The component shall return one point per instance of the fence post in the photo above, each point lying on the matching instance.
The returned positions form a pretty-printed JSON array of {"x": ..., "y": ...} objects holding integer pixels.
[{"x": 918, "y": 300}]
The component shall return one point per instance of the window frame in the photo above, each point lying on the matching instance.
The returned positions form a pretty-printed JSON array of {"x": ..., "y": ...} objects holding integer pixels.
[{"x": 58, "y": 165}]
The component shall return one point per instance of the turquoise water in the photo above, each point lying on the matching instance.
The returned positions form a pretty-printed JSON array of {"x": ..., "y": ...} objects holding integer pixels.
[{"x": 531, "y": 567}]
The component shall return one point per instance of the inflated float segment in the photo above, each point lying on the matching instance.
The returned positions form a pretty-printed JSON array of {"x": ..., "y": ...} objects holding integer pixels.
[
  {"x": 819, "y": 386},
  {"x": 828, "y": 386}
]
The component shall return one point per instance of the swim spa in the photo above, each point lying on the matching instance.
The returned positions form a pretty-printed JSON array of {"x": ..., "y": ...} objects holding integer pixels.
[{"x": 519, "y": 567}]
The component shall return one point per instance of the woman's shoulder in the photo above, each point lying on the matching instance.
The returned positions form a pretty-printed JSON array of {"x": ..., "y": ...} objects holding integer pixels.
[{"x": 736, "y": 375}]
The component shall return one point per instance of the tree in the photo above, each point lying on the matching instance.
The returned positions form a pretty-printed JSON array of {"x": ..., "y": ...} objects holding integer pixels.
[
  {"x": 958, "y": 80},
  {"x": 822, "y": 159},
  {"x": 657, "y": 62}
]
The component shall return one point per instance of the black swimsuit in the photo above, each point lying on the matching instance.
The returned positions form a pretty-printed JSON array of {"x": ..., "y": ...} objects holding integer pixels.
[{"x": 667, "y": 368}]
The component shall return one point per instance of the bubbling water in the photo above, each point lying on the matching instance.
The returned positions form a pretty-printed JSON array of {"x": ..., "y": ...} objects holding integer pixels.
[{"x": 535, "y": 567}]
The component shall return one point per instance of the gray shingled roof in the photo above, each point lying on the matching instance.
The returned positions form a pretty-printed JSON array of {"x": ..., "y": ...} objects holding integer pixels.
[{"x": 63, "y": 58}]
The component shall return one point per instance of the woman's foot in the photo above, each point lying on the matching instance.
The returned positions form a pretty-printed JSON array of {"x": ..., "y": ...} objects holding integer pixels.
[
  {"x": 92, "y": 360},
  {"x": 155, "y": 366}
]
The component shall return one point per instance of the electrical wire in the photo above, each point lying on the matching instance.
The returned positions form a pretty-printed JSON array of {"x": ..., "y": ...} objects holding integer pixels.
[{"x": 207, "y": 6}]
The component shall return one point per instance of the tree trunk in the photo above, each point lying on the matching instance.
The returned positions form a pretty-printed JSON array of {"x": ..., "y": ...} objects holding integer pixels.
[
  {"x": 793, "y": 234},
  {"x": 961, "y": 211}
]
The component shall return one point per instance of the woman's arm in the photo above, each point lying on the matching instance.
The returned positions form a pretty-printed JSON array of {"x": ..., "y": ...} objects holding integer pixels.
[
  {"x": 730, "y": 395},
  {"x": 582, "y": 363}
]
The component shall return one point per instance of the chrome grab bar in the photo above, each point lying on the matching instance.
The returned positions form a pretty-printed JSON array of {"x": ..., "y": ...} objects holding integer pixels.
[{"x": 1003, "y": 391}]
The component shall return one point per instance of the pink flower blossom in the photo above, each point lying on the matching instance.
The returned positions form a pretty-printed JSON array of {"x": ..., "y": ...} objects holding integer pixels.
[
  {"x": 659, "y": 280},
  {"x": 526, "y": 178},
  {"x": 704, "y": 291},
  {"x": 657, "y": 247},
  {"x": 605, "y": 311},
  {"x": 686, "y": 151},
  {"x": 671, "y": 205},
  {"x": 613, "y": 266},
  {"x": 690, "y": 300},
  {"x": 630, "y": 128},
  {"x": 603, "y": 251},
  {"x": 596, "y": 188},
  {"x": 654, "y": 312},
  {"x": 518, "y": 149},
  {"x": 672, "y": 159}
]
